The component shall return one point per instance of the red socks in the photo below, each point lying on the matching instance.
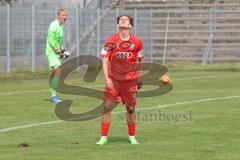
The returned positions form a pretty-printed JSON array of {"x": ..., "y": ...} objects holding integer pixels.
[
  {"x": 105, "y": 128},
  {"x": 131, "y": 129}
]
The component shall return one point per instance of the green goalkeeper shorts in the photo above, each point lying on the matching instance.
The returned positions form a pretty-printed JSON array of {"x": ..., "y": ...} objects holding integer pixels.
[{"x": 53, "y": 60}]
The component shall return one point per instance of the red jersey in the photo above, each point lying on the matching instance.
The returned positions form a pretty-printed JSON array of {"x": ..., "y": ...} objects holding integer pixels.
[{"x": 123, "y": 57}]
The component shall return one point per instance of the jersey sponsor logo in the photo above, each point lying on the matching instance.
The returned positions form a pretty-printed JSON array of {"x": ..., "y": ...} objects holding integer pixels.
[{"x": 124, "y": 55}]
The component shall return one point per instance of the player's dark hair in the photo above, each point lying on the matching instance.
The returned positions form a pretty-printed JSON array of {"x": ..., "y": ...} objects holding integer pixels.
[{"x": 130, "y": 19}]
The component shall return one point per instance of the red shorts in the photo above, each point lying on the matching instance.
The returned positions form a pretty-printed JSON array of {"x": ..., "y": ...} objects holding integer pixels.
[{"x": 124, "y": 92}]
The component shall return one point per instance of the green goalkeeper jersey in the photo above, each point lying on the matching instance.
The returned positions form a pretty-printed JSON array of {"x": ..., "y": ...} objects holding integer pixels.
[{"x": 55, "y": 37}]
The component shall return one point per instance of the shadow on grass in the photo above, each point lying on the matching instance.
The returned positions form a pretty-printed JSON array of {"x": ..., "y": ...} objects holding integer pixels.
[{"x": 118, "y": 139}]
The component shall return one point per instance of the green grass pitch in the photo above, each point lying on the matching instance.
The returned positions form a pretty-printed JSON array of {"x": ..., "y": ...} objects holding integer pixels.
[{"x": 206, "y": 105}]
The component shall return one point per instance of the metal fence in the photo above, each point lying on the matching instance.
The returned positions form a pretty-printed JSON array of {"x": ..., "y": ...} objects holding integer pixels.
[{"x": 168, "y": 35}]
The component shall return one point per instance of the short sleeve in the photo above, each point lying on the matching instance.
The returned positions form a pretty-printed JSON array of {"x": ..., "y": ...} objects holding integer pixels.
[
  {"x": 105, "y": 51},
  {"x": 140, "y": 49},
  {"x": 52, "y": 27},
  {"x": 51, "y": 34}
]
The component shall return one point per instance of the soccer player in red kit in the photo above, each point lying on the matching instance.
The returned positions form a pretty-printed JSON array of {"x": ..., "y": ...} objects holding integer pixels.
[{"x": 122, "y": 66}]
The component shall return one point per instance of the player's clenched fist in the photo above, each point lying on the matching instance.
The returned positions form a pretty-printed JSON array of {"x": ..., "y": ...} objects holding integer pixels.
[{"x": 108, "y": 83}]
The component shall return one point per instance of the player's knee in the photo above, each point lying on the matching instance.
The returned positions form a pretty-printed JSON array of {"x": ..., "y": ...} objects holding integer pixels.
[
  {"x": 52, "y": 74},
  {"x": 130, "y": 109},
  {"x": 57, "y": 70},
  {"x": 56, "y": 67},
  {"x": 107, "y": 107}
]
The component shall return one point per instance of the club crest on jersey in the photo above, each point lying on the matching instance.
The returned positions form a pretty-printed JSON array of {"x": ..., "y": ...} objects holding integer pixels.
[
  {"x": 124, "y": 55},
  {"x": 131, "y": 46}
]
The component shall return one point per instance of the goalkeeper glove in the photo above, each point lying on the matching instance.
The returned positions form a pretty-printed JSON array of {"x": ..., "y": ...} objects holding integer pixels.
[
  {"x": 65, "y": 54},
  {"x": 60, "y": 53}
]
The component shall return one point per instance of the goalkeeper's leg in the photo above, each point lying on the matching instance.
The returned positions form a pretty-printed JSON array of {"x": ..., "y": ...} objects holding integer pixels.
[
  {"x": 54, "y": 63},
  {"x": 54, "y": 80}
]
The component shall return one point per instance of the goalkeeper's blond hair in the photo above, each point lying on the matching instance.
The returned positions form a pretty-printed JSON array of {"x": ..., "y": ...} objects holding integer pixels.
[{"x": 61, "y": 10}]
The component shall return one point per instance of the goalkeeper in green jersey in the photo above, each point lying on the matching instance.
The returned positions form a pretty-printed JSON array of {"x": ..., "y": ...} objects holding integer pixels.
[{"x": 55, "y": 52}]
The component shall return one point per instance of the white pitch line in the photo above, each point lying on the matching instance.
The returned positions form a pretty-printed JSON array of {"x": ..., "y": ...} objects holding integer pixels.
[
  {"x": 35, "y": 91},
  {"x": 96, "y": 86},
  {"x": 191, "y": 102},
  {"x": 29, "y": 126},
  {"x": 191, "y": 78},
  {"x": 205, "y": 91},
  {"x": 205, "y": 77},
  {"x": 21, "y": 92},
  {"x": 4, "y": 130}
]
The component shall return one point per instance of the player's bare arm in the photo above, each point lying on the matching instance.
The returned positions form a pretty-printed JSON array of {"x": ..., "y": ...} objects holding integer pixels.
[
  {"x": 62, "y": 48},
  {"x": 108, "y": 81},
  {"x": 140, "y": 66}
]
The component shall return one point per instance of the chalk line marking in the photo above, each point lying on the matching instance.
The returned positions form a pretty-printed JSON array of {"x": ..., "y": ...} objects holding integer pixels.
[{"x": 4, "y": 130}]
